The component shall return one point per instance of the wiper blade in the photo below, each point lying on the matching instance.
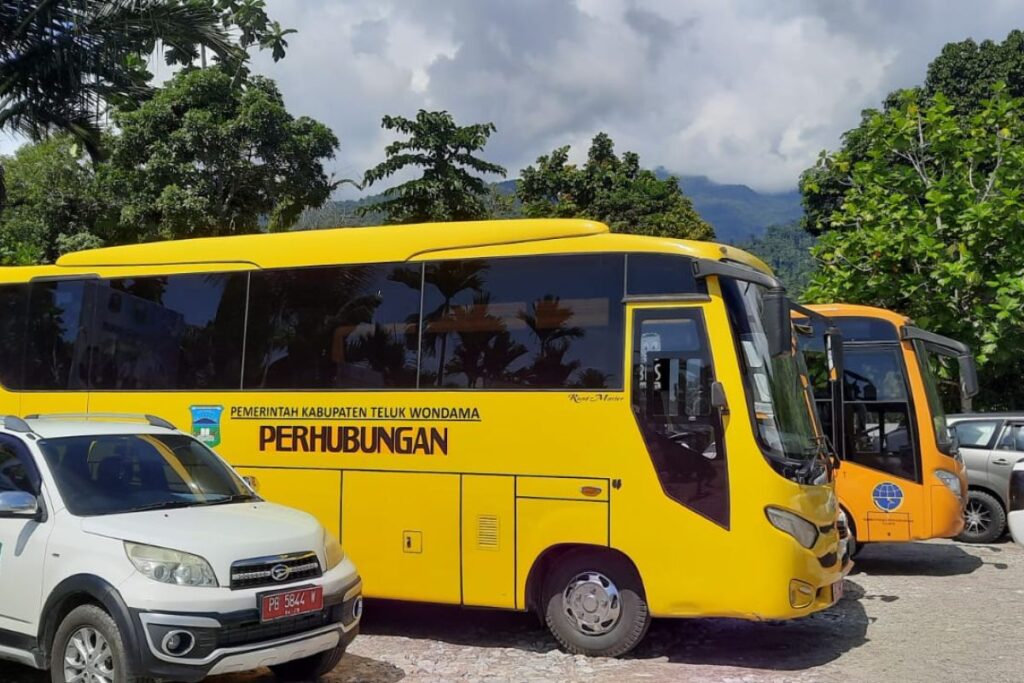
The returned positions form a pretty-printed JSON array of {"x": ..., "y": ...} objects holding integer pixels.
[
  {"x": 164, "y": 505},
  {"x": 233, "y": 498}
]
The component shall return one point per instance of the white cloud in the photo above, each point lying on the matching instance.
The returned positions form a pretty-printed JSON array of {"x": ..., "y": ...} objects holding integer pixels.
[{"x": 739, "y": 90}]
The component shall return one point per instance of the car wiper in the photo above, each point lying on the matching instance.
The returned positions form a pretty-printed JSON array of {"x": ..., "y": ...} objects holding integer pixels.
[
  {"x": 233, "y": 498},
  {"x": 163, "y": 505}
]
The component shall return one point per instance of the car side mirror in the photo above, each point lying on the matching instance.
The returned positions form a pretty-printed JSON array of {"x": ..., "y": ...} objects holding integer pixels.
[
  {"x": 718, "y": 400},
  {"x": 252, "y": 482},
  {"x": 18, "y": 504}
]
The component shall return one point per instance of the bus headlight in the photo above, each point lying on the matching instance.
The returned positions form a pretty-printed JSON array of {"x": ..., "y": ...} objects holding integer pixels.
[
  {"x": 171, "y": 566},
  {"x": 951, "y": 481},
  {"x": 333, "y": 553},
  {"x": 796, "y": 526}
]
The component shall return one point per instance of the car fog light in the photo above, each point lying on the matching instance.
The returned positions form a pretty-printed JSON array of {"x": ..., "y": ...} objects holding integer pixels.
[
  {"x": 800, "y": 594},
  {"x": 178, "y": 643},
  {"x": 357, "y": 608}
]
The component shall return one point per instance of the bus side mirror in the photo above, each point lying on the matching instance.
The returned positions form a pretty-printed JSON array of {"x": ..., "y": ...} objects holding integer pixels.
[
  {"x": 778, "y": 326},
  {"x": 968, "y": 380},
  {"x": 718, "y": 400}
]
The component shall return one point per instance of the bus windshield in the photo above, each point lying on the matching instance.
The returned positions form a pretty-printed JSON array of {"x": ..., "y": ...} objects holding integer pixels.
[
  {"x": 779, "y": 390},
  {"x": 925, "y": 359}
]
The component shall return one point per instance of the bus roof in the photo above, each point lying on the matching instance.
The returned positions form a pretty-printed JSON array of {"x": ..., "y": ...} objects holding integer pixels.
[
  {"x": 857, "y": 310},
  {"x": 388, "y": 244}
]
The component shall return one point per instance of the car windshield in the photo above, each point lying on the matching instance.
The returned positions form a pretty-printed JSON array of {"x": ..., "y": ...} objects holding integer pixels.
[
  {"x": 111, "y": 474},
  {"x": 783, "y": 406},
  {"x": 925, "y": 361}
]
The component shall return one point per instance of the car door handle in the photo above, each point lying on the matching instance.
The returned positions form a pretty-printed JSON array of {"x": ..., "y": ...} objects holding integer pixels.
[{"x": 1000, "y": 461}]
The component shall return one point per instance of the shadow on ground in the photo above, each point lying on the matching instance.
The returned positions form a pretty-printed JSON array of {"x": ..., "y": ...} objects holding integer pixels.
[
  {"x": 921, "y": 559},
  {"x": 780, "y": 646}
]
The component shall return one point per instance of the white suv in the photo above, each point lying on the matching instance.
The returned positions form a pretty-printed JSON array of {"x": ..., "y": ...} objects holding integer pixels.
[{"x": 129, "y": 550}]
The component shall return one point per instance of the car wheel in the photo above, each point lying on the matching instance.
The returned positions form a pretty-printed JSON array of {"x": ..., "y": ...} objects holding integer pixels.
[
  {"x": 88, "y": 648},
  {"x": 309, "y": 668},
  {"x": 984, "y": 518},
  {"x": 594, "y": 604}
]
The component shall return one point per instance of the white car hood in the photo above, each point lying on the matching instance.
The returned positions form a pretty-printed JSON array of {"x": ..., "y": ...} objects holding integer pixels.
[{"x": 220, "y": 533}]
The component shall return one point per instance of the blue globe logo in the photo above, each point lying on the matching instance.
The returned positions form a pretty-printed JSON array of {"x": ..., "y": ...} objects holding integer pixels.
[{"x": 887, "y": 496}]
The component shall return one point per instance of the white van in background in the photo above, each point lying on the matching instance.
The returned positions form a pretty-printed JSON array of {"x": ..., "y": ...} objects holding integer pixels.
[{"x": 130, "y": 550}]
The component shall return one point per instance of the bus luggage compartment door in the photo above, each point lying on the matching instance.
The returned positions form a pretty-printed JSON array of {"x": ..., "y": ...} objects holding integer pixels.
[
  {"x": 402, "y": 531},
  {"x": 553, "y": 511}
]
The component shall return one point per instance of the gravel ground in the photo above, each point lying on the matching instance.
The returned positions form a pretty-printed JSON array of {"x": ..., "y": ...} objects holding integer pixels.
[{"x": 912, "y": 612}]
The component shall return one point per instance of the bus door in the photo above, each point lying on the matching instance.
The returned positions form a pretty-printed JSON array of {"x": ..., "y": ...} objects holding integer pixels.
[{"x": 678, "y": 405}]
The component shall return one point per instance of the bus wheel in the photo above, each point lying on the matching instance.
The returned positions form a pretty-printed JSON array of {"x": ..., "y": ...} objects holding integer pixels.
[
  {"x": 594, "y": 604},
  {"x": 984, "y": 518}
]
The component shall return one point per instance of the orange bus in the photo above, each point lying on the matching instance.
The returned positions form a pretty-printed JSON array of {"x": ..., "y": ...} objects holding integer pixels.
[{"x": 901, "y": 478}]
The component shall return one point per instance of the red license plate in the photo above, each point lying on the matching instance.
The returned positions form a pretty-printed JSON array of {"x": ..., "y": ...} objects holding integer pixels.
[{"x": 291, "y": 603}]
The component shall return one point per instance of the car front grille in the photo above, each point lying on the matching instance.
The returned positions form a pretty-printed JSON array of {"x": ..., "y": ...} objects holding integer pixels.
[
  {"x": 249, "y": 632},
  {"x": 277, "y": 570}
]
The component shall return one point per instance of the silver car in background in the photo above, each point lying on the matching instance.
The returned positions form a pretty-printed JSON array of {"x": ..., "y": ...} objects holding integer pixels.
[{"x": 990, "y": 444}]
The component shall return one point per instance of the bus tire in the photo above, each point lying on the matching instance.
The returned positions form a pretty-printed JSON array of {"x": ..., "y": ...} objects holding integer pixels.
[
  {"x": 594, "y": 604},
  {"x": 984, "y": 518}
]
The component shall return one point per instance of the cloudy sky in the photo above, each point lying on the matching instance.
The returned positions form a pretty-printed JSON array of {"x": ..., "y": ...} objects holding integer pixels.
[{"x": 741, "y": 91}]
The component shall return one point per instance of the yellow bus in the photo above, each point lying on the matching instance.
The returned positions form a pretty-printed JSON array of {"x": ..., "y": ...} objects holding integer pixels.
[
  {"x": 901, "y": 477},
  {"x": 530, "y": 415}
]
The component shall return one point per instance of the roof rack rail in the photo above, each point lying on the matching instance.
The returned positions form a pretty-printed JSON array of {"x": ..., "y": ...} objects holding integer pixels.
[
  {"x": 153, "y": 420},
  {"x": 16, "y": 424}
]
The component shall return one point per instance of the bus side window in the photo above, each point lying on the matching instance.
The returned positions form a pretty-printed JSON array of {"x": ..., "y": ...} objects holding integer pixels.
[{"x": 673, "y": 373}]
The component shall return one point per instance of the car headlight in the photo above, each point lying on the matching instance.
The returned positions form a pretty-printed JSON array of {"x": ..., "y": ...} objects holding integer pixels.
[
  {"x": 333, "y": 553},
  {"x": 951, "y": 481},
  {"x": 796, "y": 526},
  {"x": 170, "y": 566}
]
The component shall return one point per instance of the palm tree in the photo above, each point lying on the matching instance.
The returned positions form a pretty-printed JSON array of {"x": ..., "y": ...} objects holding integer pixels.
[{"x": 63, "y": 62}]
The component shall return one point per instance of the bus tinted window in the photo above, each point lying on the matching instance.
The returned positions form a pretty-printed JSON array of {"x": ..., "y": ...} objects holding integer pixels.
[
  {"x": 866, "y": 329},
  {"x": 333, "y": 328},
  {"x": 13, "y": 306},
  {"x": 176, "y": 332},
  {"x": 651, "y": 274},
  {"x": 539, "y": 322},
  {"x": 56, "y": 350}
]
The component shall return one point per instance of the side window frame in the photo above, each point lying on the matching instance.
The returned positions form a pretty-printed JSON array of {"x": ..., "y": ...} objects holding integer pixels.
[
  {"x": 20, "y": 451},
  {"x": 640, "y": 399}
]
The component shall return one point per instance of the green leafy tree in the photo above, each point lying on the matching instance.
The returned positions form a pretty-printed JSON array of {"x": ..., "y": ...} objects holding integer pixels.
[
  {"x": 53, "y": 202},
  {"x": 787, "y": 249},
  {"x": 202, "y": 158},
  {"x": 963, "y": 72},
  {"x": 611, "y": 189},
  {"x": 447, "y": 189},
  {"x": 931, "y": 225},
  {"x": 246, "y": 20},
  {"x": 62, "y": 62}
]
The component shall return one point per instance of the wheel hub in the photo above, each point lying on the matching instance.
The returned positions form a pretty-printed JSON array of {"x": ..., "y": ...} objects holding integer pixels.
[
  {"x": 592, "y": 603},
  {"x": 976, "y": 517},
  {"x": 88, "y": 658}
]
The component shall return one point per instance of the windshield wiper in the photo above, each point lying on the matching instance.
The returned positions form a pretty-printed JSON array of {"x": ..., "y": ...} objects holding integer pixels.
[
  {"x": 163, "y": 505},
  {"x": 233, "y": 498}
]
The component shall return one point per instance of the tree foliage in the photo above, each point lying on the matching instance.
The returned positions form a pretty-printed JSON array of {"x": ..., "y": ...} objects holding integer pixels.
[
  {"x": 787, "y": 249},
  {"x": 611, "y": 189},
  {"x": 63, "y": 61},
  {"x": 932, "y": 225},
  {"x": 447, "y": 189},
  {"x": 963, "y": 72},
  {"x": 54, "y": 204},
  {"x": 202, "y": 158}
]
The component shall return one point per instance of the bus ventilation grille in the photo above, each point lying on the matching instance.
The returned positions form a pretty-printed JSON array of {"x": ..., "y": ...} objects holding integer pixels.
[{"x": 487, "y": 532}]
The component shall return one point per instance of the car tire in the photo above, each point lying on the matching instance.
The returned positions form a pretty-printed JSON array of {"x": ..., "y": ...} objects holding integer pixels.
[
  {"x": 594, "y": 604},
  {"x": 984, "y": 518},
  {"x": 85, "y": 630},
  {"x": 309, "y": 668}
]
